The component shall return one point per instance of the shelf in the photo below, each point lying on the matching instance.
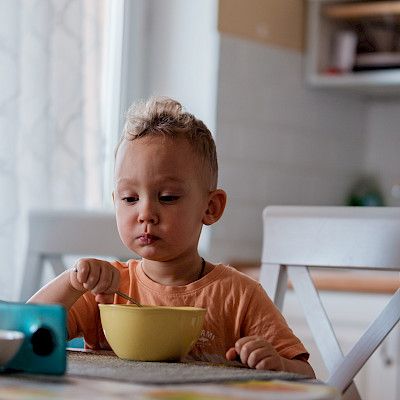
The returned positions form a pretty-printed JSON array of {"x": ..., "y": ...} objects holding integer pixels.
[
  {"x": 376, "y": 23},
  {"x": 378, "y": 84},
  {"x": 375, "y": 9}
]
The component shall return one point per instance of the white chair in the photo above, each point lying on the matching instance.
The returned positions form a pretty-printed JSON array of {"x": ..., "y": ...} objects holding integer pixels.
[
  {"x": 58, "y": 233},
  {"x": 296, "y": 239}
]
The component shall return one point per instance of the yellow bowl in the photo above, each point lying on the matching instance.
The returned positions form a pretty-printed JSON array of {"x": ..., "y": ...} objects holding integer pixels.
[{"x": 151, "y": 333}]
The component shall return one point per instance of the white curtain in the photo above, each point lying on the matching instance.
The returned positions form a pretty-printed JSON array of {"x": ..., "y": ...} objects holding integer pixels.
[{"x": 51, "y": 141}]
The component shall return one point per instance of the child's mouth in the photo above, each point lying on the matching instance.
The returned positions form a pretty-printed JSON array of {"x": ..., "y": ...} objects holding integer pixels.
[{"x": 146, "y": 238}]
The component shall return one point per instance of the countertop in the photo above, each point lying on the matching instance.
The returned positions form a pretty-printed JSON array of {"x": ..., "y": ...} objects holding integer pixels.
[{"x": 335, "y": 280}]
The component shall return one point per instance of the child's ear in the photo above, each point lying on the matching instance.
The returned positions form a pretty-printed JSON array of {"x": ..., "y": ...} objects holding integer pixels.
[{"x": 215, "y": 208}]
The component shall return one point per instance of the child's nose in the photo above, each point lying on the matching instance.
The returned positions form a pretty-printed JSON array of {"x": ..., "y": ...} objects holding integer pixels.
[{"x": 148, "y": 213}]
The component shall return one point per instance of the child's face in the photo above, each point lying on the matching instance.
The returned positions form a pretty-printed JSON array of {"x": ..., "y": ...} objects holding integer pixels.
[{"x": 160, "y": 197}]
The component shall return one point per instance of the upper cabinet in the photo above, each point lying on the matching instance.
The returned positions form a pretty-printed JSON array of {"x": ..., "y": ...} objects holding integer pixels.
[{"x": 354, "y": 45}]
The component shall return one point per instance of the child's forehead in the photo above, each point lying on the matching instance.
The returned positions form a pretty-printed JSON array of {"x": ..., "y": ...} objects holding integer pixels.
[
  {"x": 158, "y": 158},
  {"x": 170, "y": 154}
]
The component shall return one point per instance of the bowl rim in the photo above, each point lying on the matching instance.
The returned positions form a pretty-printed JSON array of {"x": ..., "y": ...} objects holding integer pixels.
[
  {"x": 10, "y": 335},
  {"x": 151, "y": 308}
]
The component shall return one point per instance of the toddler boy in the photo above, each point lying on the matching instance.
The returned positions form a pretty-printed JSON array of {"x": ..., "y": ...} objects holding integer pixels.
[{"x": 165, "y": 191}]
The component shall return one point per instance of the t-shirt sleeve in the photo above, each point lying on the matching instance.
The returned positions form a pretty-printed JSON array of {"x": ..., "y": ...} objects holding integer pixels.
[{"x": 264, "y": 319}]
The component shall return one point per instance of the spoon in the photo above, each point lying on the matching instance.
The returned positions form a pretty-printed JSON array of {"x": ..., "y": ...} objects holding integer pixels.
[
  {"x": 123, "y": 295},
  {"x": 126, "y": 297}
]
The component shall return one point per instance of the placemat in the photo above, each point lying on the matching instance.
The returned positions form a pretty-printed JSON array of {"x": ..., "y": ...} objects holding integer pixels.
[{"x": 109, "y": 366}]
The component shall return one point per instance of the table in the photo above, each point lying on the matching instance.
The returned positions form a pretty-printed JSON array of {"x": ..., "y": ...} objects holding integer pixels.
[{"x": 211, "y": 382}]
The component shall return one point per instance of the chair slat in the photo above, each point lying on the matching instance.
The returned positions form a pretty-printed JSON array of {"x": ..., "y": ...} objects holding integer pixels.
[{"x": 355, "y": 237}]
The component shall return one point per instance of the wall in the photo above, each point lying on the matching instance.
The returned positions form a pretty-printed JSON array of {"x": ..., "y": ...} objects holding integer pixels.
[
  {"x": 182, "y": 54},
  {"x": 278, "y": 141},
  {"x": 382, "y": 156}
]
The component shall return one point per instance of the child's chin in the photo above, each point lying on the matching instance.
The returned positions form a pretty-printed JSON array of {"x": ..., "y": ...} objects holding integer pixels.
[
  {"x": 155, "y": 257},
  {"x": 148, "y": 254}
]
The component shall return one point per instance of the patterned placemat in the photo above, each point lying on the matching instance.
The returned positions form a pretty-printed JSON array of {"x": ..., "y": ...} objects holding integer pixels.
[{"x": 108, "y": 366}]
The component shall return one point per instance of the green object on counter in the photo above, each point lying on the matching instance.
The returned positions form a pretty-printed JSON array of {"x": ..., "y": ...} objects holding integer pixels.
[{"x": 366, "y": 193}]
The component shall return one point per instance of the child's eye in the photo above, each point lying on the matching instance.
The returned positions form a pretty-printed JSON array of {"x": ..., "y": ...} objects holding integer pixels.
[
  {"x": 130, "y": 199},
  {"x": 168, "y": 198}
]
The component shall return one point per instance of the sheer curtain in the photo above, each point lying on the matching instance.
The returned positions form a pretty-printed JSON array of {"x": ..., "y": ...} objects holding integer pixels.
[{"x": 51, "y": 140}]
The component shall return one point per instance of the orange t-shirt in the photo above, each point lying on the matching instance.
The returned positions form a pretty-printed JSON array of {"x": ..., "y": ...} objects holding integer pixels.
[{"x": 236, "y": 304}]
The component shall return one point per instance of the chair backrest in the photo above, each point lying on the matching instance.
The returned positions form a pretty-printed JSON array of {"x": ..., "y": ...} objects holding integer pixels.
[
  {"x": 296, "y": 239},
  {"x": 57, "y": 233}
]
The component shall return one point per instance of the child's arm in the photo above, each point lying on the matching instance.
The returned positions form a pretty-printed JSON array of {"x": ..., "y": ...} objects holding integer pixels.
[
  {"x": 98, "y": 276},
  {"x": 256, "y": 352}
]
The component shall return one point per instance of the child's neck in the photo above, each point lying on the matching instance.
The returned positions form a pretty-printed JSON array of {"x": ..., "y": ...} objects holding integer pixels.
[{"x": 174, "y": 273}]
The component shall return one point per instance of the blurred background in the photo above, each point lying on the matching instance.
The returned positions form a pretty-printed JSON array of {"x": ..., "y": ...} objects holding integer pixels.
[{"x": 297, "y": 117}]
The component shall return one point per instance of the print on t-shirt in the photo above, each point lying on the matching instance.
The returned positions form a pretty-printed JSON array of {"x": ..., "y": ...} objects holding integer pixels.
[{"x": 206, "y": 339}]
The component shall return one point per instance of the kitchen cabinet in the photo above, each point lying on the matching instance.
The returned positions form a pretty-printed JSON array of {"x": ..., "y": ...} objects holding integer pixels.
[
  {"x": 350, "y": 314},
  {"x": 354, "y": 45}
]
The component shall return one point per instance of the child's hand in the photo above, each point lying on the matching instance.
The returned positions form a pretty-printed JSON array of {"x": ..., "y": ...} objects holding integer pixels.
[
  {"x": 256, "y": 352},
  {"x": 98, "y": 276}
]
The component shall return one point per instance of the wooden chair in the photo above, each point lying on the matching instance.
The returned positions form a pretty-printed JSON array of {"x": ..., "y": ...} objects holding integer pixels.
[
  {"x": 55, "y": 234},
  {"x": 296, "y": 239}
]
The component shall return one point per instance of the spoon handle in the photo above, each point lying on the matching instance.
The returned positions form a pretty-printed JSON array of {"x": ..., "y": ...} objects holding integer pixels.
[{"x": 126, "y": 297}]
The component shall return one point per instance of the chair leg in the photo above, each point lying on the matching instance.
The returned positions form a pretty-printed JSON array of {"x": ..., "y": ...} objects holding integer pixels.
[
  {"x": 351, "y": 393},
  {"x": 273, "y": 279},
  {"x": 56, "y": 263}
]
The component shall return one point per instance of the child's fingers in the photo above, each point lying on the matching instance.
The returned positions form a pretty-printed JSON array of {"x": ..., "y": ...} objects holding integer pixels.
[
  {"x": 269, "y": 359},
  {"x": 269, "y": 363},
  {"x": 242, "y": 341},
  {"x": 108, "y": 282},
  {"x": 247, "y": 349},
  {"x": 247, "y": 345},
  {"x": 114, "y": 282},
  {"x": 231, "y": 354},
  {"x": 260, "y": 357},
  {"x": 243, "y": 345},
  {"x": 105, "y": 279},
  {"x": 104, "y": 298},
  {"x": 93, "y": 277},
  {"x": 82, "y": 269}
]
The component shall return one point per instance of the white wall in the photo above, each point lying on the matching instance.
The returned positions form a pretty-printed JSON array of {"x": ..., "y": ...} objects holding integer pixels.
[
  {"x": 182, "y": 54},
  {"x": 382, "y": 156},
  {"x": 278, "y": 142}
]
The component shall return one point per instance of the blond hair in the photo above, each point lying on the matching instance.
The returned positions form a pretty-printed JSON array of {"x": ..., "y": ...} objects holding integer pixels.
[{"x": 165, "y": 116}]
